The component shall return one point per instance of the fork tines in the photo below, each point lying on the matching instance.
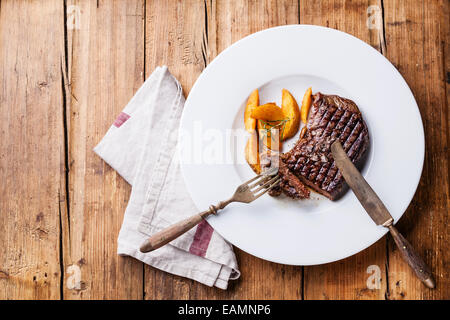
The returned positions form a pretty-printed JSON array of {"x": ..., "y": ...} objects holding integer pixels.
[{"x": 261, "y": 184}]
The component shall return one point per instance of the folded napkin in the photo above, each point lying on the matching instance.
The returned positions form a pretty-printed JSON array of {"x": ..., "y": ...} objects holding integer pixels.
[{"x": 141, "y": 147}]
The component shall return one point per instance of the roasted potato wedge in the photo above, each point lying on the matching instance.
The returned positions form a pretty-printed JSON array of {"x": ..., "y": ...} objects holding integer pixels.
[
  {"x": 306, "y": 104},
  {"x": 252, "y": 102},
  {"x": 291, "y": 111},
  {"x": 269, "y": 116},
  {"x": 268, "y": 112},
  {"x": 251, "y": 152}
]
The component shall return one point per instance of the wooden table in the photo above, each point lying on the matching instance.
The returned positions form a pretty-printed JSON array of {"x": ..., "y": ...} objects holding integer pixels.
[{"x": 68, "y": 68}]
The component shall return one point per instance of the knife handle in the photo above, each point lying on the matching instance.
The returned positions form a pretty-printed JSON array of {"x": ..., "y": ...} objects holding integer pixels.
[{"x": 419, "y": 266}]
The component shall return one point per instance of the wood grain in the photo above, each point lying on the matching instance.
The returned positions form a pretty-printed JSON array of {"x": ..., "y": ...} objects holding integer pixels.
[
  {"x": 417, "y": 40},
  {"x": 31, "y": 148},
  {"x": 174, "y": 37},
  {"x": 347, "y": 279},
  {"x": 106, "y": 57}
]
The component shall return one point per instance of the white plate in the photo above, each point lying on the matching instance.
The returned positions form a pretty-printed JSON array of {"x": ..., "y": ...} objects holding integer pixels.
[{"x": 295, "y": 57}]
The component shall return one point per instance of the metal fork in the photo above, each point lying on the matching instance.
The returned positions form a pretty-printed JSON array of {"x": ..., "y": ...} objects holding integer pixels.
[{"x": 246, "y": 193}]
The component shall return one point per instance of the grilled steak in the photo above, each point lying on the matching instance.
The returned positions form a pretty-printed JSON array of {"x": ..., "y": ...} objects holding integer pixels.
[
  {"x": 290, "y": 185},
  {"x": 310, "y": 161}
]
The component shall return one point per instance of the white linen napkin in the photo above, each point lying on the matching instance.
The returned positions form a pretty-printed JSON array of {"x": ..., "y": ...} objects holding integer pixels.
[{"x": 140, "y": 146}]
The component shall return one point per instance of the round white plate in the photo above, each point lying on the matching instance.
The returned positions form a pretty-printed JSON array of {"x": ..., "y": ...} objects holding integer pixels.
[{"x": 295, "y": 57}]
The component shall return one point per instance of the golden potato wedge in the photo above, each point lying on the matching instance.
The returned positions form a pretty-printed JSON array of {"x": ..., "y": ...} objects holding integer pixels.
[
  {"x": 270, "y": 116},
  {"x": 306, "y": 104},
  {"x": 252, "y": 154},
  {"x": 252, "y": 102},
  {"x": 268, "y": 112},
  {"x": 291, "y": 111}
]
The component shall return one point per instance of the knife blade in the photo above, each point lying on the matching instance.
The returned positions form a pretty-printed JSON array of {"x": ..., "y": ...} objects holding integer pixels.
[
  {"x": 363, "y": 191},
  {"x": 379, "y": 213}
]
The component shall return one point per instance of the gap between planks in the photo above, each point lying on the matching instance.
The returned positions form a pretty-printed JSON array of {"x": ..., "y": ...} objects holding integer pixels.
[{"x": 64, "y": 212}]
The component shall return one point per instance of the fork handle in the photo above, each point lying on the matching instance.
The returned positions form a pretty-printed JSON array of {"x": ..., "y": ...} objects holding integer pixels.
[{"x": 174, "y": 231}]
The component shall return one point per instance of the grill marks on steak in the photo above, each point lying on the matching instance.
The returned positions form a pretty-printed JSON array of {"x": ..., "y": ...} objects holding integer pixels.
[
  {"x": 290, "y": 184},
  {"x": 331, "y": 117}
]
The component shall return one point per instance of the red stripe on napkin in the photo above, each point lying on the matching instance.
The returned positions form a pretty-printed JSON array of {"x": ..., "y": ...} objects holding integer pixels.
[
  {"x": 202, "y": 238},
  {"x": 121, "y": 119}
]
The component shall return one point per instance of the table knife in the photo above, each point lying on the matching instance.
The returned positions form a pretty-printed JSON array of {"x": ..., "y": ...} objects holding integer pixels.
[{"x": 379, "y": 213}]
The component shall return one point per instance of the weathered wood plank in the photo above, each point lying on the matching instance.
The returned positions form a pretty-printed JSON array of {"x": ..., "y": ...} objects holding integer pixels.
[
  {"x": 230, "y": 21},
  {"x": 186, "y": 36},
  {"x": 106, "y": 55},
  {"x": 417, "y": 41},
  {"x": 31, "y": 148},
  {"x": 174, "y": 37},
  {"x": 347, "y": 279}
]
